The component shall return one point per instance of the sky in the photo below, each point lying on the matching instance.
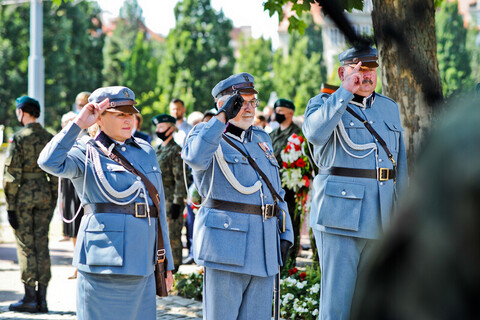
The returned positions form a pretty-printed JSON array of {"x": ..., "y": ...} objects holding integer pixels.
[{"x": 159, "y": 15}]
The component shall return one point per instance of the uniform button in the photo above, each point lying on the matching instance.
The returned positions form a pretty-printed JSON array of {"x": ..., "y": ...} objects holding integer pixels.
[
  {"x": 344, "y": 193},
  {"x": 380, "y": 160},
  {"x": 370, "y": 121},
  {"x": 154, "y": 168},
  {"x": 124, "y": 149},
  {"x": 341, "y": 100},
  {"x": 102, "y": 226},
  {"x": 138, "y": 178},
  {"x": 265, "y": 197},
  {"x": 225, "y": 225},
  {"x": 381, "y": 183},
  {"x": 236, "y": 160},
  {"x": 142, "y": 195},
  {"x": 351, "y": 123}
]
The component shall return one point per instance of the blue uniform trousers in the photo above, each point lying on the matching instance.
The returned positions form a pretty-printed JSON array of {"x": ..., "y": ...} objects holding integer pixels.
[
  {"x": 115, "y": 296},
  {"x": 189, "y": 226},
  {"x": 229, "y": 295},
  {"x": 342, "y": 259}
]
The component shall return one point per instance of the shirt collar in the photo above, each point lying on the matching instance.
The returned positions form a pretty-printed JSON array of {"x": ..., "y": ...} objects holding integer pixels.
[
  {"x": 107, "y": 141},
  {"x": 363, "y": 102},
  {"x": 238, "y": 133}
]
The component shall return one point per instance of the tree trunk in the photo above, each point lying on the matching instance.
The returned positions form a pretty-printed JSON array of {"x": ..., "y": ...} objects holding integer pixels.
[{"x": 407, "y": 50}]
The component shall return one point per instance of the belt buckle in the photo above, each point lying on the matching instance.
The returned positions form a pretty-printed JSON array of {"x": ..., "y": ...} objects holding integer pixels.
[
  {"x": 160, "y": 255},
  {"x": 269, "y": 211},
  {"x": 384, "y": 174},
  {"x": 140, "y": 210}
]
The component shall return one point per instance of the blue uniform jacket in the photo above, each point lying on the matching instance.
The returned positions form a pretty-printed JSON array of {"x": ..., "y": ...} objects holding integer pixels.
[
  {"x": 359, "y": 207},
  {"x": 231, "y": 241},
  {"x": 109, "y": 243}
]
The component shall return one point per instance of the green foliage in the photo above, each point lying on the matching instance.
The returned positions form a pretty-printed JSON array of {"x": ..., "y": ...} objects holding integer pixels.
[
  {"x": 256, "y": 57},
  {"x": 473, "y": 47},
  {"x": 451, "y": 49},
  {"x": 72, "y": 53},
  {"x": 297, "y": 22},
  {"x": 189, "y": 285},
  {"x": 300, "y": 294},
  {"x": 198, "y": 55},
  {"x": 298, "y": 75}
]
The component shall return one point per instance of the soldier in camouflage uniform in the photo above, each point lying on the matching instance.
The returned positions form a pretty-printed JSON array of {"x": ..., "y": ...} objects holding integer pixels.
[
  {"x": 31, "y": 197},
  {"x": 171, "y": 165},
  {"x": 284, "y": 110}
]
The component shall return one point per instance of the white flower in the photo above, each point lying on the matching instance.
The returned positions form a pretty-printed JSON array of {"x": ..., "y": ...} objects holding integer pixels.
[
  {"x": 315, "y": 312},
  {"x": 315, "y": 288},
  {"x": 300, "y": 285}
]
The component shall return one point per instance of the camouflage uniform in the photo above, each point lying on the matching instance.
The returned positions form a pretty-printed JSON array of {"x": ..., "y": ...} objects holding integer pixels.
[
  {"x": 279, "y": 142},
  {"x": 171, "y": 165},
  {"x": 32, "y": 194}
]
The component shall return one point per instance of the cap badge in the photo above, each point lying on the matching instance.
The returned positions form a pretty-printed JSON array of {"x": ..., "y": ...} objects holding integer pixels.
[
  {"x": 246, "y": 78},
  {"x": 125, "y": 92}
]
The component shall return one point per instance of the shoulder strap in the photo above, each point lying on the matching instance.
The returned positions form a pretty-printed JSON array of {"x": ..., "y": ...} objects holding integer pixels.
[
  {"x": 120, "y": 159},
  {"x": 255, "y": 166},
  {"x": 374, "y": 133}
]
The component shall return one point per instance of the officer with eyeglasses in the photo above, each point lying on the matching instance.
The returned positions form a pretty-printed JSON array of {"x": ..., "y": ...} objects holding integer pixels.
[{"x": 243, "y": 231}]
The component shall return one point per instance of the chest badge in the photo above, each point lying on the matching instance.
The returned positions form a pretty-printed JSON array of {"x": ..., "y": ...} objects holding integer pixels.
[{"x": 268, "y": 152}]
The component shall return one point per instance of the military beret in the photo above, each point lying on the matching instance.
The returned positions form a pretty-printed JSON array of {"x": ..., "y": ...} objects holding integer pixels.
[
  {"x": 284, "y": 103},
  {"x": 24, "y": 100},
  {"x": 241, "y": 82},
  {"x": 163, "y": 118},
  {"x": 367, "y": 55},
  {"x": 122, "y": 99}
]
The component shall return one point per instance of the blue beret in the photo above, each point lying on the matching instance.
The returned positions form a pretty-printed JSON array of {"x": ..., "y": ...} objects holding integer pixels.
[
  {"x": 241, "y": 82},
  {"x": 367, "y": 55},
  {"x": 24, "y": 100},
  {"x": 163, "y": 118},
  {"x": 122, "y": 99},
  {"x": 284, "y": 103}
]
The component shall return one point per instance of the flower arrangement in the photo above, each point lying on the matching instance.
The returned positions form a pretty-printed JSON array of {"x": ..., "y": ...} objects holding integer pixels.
[
  {"x": 189, "y": 285},
  {"x": 300, "y": 294},
  {"x": 296, "y": 170}
]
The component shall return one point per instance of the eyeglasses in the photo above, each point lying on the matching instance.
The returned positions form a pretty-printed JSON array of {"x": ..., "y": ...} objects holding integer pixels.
[{"x": 252, "y": 103}]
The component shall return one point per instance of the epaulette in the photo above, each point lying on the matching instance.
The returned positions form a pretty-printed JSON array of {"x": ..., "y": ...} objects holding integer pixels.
[{"x": 378, "y": 95}]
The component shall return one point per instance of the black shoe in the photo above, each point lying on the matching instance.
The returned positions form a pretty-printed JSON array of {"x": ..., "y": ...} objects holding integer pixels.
[
  {"x": 28, "y": 303},
  {"x": 42, "y": 298},
  {"x": 188, "y": 260}
]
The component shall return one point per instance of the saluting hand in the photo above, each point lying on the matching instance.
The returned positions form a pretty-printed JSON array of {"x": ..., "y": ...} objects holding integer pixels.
[
  {"x": 352, "y": 80},
  {"x": 90, "y": 113}
]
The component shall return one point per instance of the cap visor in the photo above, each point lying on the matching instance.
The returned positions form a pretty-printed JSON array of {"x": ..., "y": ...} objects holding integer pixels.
[
  {"x": 247, "y": 91},
  {"x": 370, "y": 64},
  {"x": 124, "y": 109}
]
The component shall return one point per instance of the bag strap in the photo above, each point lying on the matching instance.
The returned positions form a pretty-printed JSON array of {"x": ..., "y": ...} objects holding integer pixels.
[
  {"x": 255, "y": 166},
  {"x": 375, "y": 134},
  {"x": 152, "y": 191}
]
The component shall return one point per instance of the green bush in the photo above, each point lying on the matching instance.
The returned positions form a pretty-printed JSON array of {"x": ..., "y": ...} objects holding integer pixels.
[{"x": 189, "y": 285}]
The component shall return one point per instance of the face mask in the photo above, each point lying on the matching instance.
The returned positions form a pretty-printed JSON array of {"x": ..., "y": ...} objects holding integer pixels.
[
  {"x": 162, "y": 135},
  {"x": 280, "y": 117},
  {"x": 21, "y": 120}
]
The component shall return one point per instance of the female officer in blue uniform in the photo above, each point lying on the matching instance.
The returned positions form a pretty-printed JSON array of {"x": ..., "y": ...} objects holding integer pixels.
[{"x": 115, "y": 250}]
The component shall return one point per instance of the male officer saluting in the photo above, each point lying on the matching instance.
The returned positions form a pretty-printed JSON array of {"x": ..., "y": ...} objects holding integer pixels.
[
  {"x": 236, "y": 234},
  {"x": 358, "y": 145}
]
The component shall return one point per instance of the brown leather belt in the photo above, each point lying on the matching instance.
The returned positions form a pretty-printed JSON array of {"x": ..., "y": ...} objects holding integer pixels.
[
  {"x": 136, "y": 209},
  {"x": 269, "y": 211},
  {"x": 382, "y": 174}
]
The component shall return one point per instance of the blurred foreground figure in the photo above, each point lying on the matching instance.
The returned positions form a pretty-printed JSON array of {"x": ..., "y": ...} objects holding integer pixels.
[{"x": 428, "y": 265}]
